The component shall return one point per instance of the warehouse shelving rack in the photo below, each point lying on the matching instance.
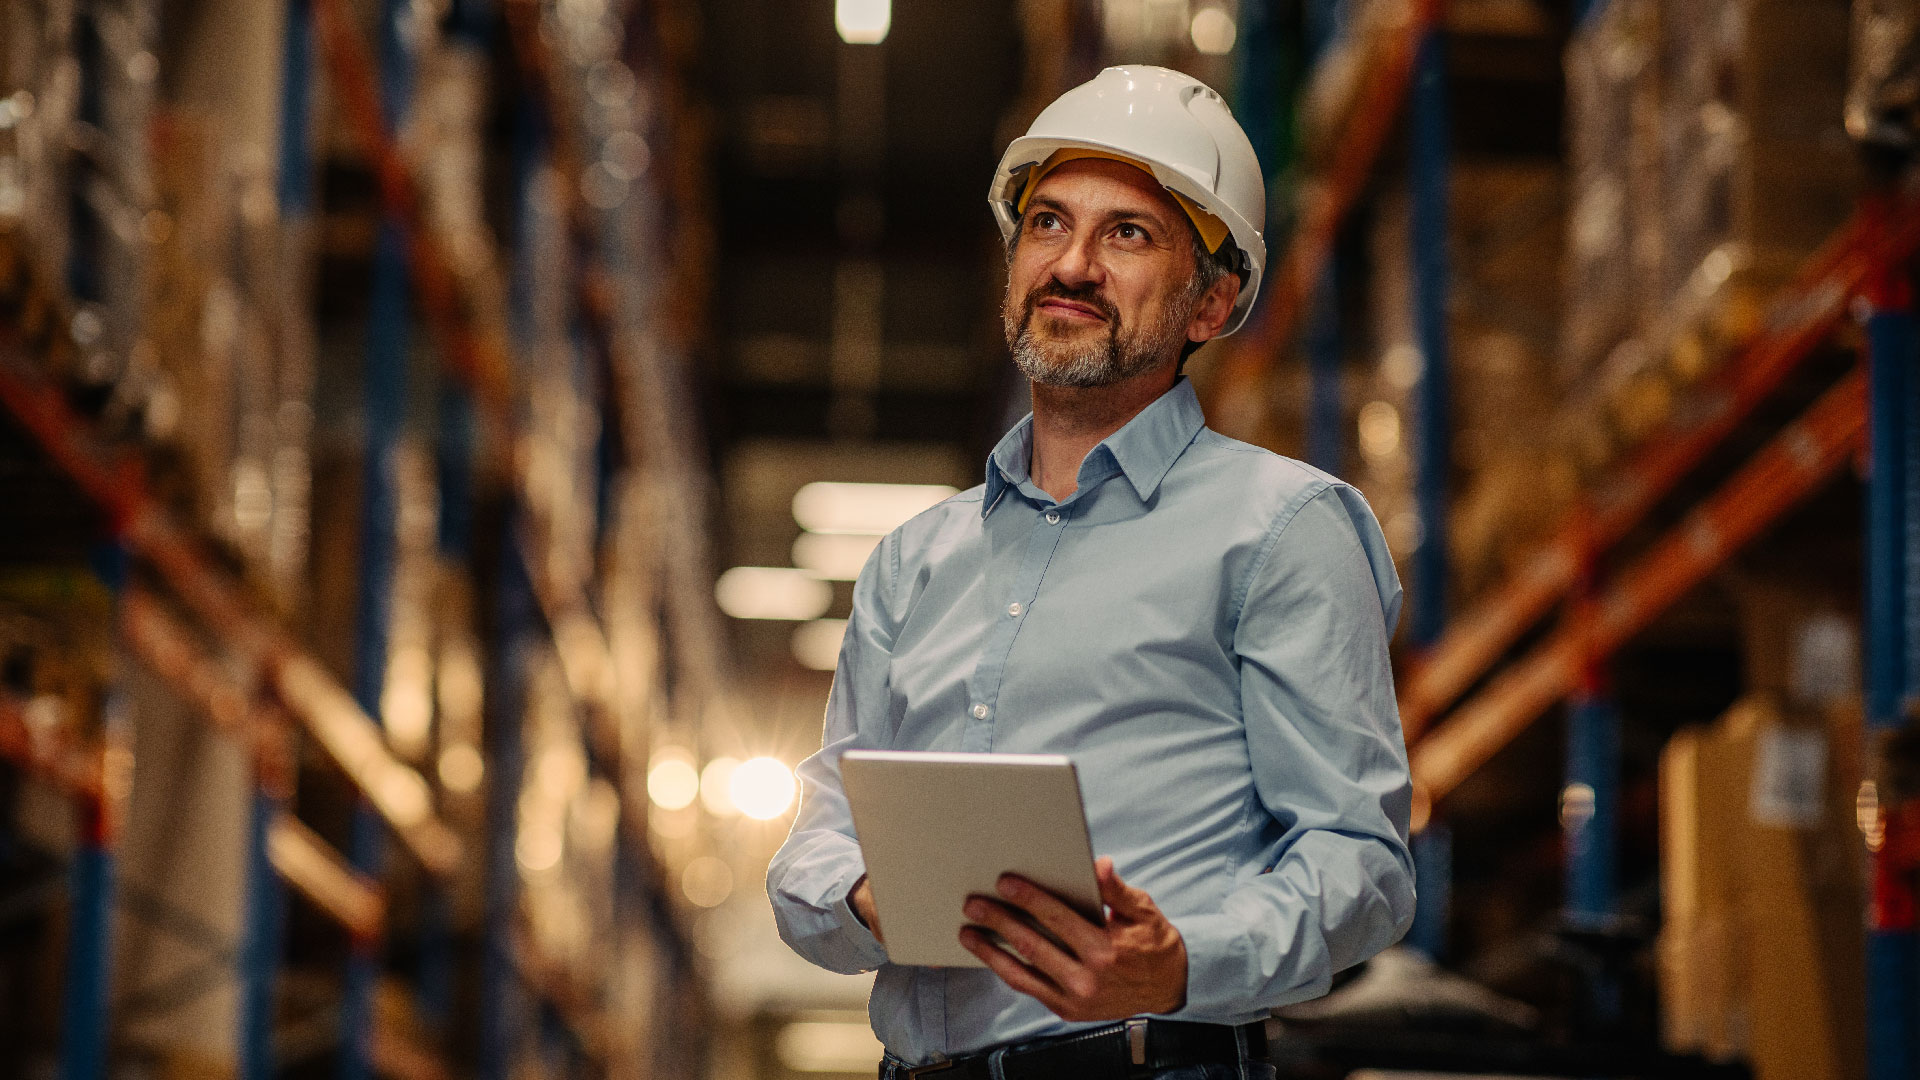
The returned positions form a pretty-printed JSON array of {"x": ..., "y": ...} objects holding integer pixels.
[
  {"x": 1863, "y": 270},
  {"x": 344, "y": 725}
]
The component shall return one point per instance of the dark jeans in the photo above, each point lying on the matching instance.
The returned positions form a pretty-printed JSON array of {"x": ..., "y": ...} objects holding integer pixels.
[
  {"x": 1251, "y": 1070},
  {"x": 1245, "y": 1071}
]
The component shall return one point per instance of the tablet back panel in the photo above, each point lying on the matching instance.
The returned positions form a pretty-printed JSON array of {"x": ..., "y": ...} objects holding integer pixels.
[{"x": 935, "y": 828}]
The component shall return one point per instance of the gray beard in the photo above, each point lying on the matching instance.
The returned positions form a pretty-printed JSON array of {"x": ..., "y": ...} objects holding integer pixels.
[{"x": 1096, "y": 360}]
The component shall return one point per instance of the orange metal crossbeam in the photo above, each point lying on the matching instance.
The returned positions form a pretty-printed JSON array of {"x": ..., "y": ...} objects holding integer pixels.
[
  {"x": 1788, "y": 469},
  {"x": 117, "y": 484},
  {"x": 1326, "y": 202},
  {"x": 78, "y": 770},
  {"x": 319, "y": 873},
  {"x": 169, "y": 649},
  {"x": 1882, "y": 234}
]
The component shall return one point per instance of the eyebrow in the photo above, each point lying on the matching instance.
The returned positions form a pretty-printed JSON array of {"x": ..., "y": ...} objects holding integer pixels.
[{"x": 1112, "y": 216}]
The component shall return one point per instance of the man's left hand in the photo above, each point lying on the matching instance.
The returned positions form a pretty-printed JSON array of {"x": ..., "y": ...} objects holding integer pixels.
[{"x": 1134, "y": 964}]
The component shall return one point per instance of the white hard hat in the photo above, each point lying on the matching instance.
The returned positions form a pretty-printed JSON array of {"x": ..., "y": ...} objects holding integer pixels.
[{"x": 1173, "y": 126}]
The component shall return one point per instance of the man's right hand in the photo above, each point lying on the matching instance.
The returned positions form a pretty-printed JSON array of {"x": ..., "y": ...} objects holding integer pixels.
[{"x": 862, "y": 901}]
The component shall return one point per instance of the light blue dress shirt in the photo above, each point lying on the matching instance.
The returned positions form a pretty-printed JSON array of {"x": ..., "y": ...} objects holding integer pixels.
[{"x": 1202, "y": 626}]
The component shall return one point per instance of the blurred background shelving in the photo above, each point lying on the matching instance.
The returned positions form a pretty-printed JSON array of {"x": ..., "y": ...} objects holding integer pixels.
[{"x": 437, "y": 440}]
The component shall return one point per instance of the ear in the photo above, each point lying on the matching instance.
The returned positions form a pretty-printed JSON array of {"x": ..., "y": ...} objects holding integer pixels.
[{"x": 1215, "y": 309}]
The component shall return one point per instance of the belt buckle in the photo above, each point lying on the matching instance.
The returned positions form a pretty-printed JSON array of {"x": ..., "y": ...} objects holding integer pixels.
[{"x": 928, "y": 1070}]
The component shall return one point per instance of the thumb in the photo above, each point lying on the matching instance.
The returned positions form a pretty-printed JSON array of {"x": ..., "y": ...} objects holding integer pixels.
[{"x": 1124, "y": 899}]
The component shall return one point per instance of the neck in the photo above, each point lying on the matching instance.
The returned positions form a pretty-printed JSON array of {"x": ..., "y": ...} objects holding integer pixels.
[{"x": 1069, "y": 421}]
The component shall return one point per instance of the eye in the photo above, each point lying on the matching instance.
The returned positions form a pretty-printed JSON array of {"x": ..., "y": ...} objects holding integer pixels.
[
  {"x": 1046, "y": 219},
  {"x": 1128, "y": 230}
]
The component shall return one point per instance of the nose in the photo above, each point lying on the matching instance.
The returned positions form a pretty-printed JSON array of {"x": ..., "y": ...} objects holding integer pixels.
[{"x": 1079, "y": 263}]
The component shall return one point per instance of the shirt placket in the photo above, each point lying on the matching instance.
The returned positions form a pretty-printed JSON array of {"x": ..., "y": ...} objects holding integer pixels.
[{"x": 983, "y": 688}]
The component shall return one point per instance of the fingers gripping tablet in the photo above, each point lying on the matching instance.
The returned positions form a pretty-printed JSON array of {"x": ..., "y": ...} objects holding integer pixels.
[{"x": 936, "y": 828}]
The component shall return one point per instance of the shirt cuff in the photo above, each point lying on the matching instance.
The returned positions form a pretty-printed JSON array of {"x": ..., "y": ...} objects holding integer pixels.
[
  {"x": 867, "y": 950},
  {"x": 1216, "y": 963},
  {"x": 1225, "y": 969}
]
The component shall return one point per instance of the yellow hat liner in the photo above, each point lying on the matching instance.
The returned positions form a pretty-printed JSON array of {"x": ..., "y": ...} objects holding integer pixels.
[{"x": 1213, "y": 231}]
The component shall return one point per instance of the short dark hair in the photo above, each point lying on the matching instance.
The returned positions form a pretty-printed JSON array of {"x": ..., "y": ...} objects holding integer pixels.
[{"x": 1208, "y": 268}]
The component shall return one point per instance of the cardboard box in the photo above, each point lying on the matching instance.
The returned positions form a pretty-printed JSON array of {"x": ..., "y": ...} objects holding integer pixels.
[{"x": 1761, "y": 954}]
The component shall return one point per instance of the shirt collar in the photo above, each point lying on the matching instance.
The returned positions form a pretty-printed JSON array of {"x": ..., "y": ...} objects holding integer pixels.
[{"x": 1144, "y": 448}]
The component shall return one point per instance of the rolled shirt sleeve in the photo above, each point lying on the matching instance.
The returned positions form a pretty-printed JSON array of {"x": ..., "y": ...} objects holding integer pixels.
[
  {"x": 815, "y": 870},
  {"x": 1329, "y": 764}
]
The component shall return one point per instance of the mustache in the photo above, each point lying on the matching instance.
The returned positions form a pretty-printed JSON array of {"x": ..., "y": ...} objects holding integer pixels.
[{"x": 1053, "y": 289}]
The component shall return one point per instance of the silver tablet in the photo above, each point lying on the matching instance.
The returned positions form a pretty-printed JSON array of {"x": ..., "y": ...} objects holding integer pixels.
[{"x": 937, "y": 828}]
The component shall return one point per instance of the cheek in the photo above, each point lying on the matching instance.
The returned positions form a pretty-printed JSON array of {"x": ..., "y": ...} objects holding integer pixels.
[
  {"x": 1027, "y": 269},
  {"x": 1140, "y": 298}
]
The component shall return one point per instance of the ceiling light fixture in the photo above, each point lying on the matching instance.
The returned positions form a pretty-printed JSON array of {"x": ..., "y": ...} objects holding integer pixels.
[
  {"x": 833, "y": 556},
  {"x": 816, "y": 644},
  {"x": 761, "y": 788},
  {"x": 873, "y": 509},
  {"x": 715, "y": 780},
  {"x": 1212, "y": 31},
  {"x": 772, "y": 592},
  {"x": 673, "y": 782},
  {"x": 863, "y": 22}
]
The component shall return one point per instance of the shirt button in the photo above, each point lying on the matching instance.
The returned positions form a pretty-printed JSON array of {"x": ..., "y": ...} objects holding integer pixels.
[
  {"x": 980, "y": 712},
  {"x": 1053, "y": 517},
  {"x": 1014, "y": 609}
]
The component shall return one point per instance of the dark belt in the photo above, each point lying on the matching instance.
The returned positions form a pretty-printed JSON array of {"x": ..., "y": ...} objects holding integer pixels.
[{"x": 1128, "y": 1049}]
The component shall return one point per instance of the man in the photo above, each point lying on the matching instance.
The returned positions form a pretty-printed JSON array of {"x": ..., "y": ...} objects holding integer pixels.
[{"x": 1202, "y": 625}]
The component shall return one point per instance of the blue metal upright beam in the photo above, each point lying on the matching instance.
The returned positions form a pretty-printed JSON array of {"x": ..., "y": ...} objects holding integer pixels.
[
  {"x": 1326, "y": 416},
  {"x": 265, "y": 929},
  {"x": 1433, "y": 892},
  {"x": 516, "y": 628},
  {"x": 1893, "y": 949},
  {"x": 1590, "y": 829},
  {"x": 454, "y": 481},
  {"x": 85, "y": 1021},
  {"x": 85, "y": 231},
  {"x": 85, "y": 1018},
  {"x": 385, "y": 403},
  {"x": 1324, "y": 22},
  {"x": 83, "y": 1014},
  {"x": 1255, "y": 75},
  {"x": 266, "y": 897},
  {"x": 294, "y": 182},
  {"x": 1589, "y": 812},
  {"x": 470, "y": 24},
  {"x": 1427, "y": 227},
  {"x": 1590, "y": 799}
]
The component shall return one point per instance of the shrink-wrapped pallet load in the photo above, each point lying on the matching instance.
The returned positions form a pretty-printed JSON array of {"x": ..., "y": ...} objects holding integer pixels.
[
  {"x": 1709, "y": 159},
  {"x": 1883, "y": 94},
  {"x": 1611, "y": 229},
  {"x": 1756, "y": 168}
]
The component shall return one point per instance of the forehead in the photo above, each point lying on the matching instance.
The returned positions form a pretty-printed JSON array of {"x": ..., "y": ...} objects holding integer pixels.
[{"x": 1101, "y": 186}]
